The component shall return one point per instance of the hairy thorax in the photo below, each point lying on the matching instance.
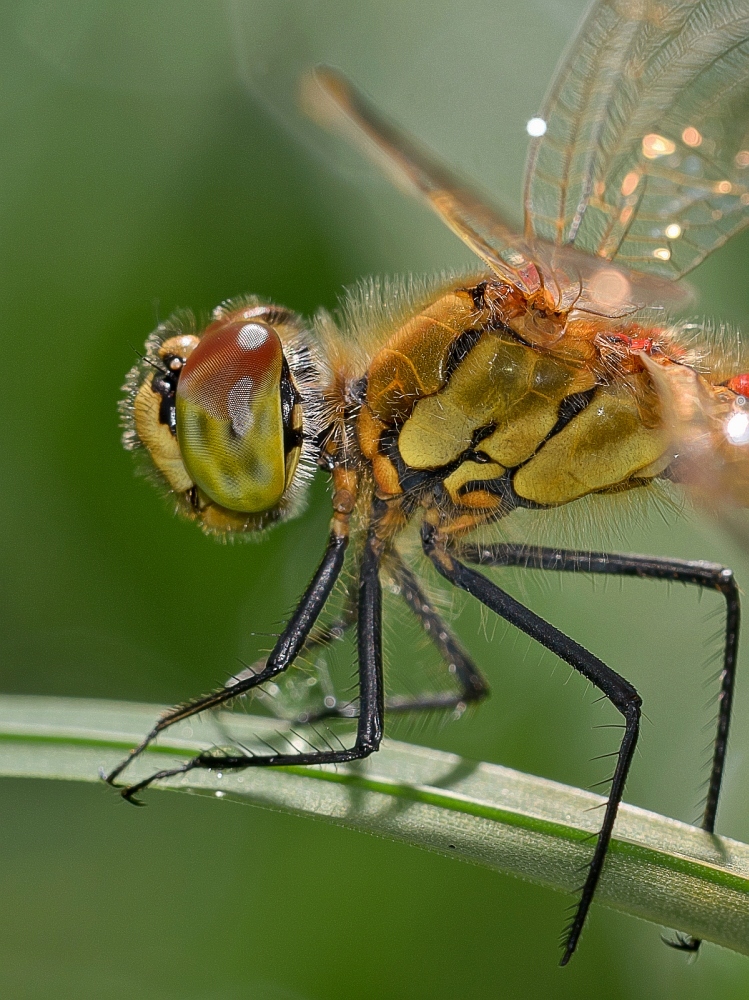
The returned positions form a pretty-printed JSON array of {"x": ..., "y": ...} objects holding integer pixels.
[{"x": 459, "y": 406}]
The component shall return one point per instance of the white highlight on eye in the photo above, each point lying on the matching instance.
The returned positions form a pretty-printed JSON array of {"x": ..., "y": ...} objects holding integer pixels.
[
  {"x": 252, "y": 336},
  {"x": 737, "y": 428},
  {"x": 238, "y": 405},
  {"x": 536, "y": 127},
  {"x": 673, "y": 231}
]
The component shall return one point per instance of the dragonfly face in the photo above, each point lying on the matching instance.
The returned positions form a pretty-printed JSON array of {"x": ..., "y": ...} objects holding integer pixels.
[
  {"x": 551, "y": 373},
  {"x": 224, "y": 413}
]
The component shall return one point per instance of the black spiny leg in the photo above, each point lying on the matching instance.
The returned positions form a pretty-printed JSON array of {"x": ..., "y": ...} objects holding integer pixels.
[
  {"x": 287, "y": 647},
  {"x": 319, "y": 639},
  {"x": 370, "y": 727},
  {"x": 619, "y": 691},
  {"x": 472, "y": 686},
  {"x": 695, "y": 572}
]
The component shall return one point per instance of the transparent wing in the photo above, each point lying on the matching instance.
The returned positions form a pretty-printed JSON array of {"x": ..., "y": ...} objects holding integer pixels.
[
  {"x": 645, "y": 158},
  {"x": 710, "y": 439},
  {"x": 592, "y": 284},
  {"x": 331, "y": 100}
]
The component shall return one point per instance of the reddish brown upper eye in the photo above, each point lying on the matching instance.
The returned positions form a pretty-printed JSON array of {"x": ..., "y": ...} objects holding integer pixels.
[
  {"x": 228, "y": 357},
  {"x": 229, "y": 421}
]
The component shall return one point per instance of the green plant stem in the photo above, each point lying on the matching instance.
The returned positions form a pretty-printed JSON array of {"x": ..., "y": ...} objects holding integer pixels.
[{"x": 657, "y": 868}]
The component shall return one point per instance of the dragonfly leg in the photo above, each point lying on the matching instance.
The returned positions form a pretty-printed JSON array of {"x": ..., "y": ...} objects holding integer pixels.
[
  {"x": 287, "y": 647},
  {"x": 472, "y": 687},
  {"x": 620, "y": 692},
  {"x": 471, "y": 684},
  {"x": 370, "y": 725},
  {"x": 695, "y": 572},
  {"x": 319, "y": 639}
]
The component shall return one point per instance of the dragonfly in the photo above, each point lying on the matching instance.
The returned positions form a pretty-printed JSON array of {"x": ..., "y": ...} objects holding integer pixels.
[{"x": 553, "y": 372}]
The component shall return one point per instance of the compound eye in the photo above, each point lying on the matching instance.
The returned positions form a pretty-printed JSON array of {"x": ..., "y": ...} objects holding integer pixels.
[{"x": 229, "y": 420}]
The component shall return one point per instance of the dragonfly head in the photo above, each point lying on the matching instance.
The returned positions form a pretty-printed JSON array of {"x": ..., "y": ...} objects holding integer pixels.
[{"x": 221, "y": 413}]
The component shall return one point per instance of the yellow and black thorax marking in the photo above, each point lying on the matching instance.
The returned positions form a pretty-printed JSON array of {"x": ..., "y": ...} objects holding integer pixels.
[{"x": 457, "y": 403}]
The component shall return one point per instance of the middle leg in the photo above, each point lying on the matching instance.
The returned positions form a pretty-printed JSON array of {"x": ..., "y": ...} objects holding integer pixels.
[{"x": 472, "y": 687}]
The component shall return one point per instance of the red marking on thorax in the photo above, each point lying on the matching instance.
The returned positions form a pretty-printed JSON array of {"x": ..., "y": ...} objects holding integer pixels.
[
  {"x": 641, "y": 344},
  {"x": 633, "y": 344},
  {"x": 739, "y": 384}
]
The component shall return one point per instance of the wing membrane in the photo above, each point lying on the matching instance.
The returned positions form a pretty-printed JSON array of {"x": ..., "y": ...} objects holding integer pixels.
[
  {"x": 527, "y": 264},
  {"x": 330, "y": 99},
  {"x": 645, "y": 159}
]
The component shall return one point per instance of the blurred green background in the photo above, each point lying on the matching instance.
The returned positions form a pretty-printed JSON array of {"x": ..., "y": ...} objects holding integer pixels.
[{"x": 149, "y": 160}]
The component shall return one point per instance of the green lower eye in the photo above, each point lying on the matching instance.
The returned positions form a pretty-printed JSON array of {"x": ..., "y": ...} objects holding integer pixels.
[{"x": 229, "y": 420}]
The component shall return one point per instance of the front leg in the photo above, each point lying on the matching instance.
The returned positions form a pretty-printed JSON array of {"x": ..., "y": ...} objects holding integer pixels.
[
  {"x": 371, "y": 697},
  {"x": 287, "y": 648}
]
